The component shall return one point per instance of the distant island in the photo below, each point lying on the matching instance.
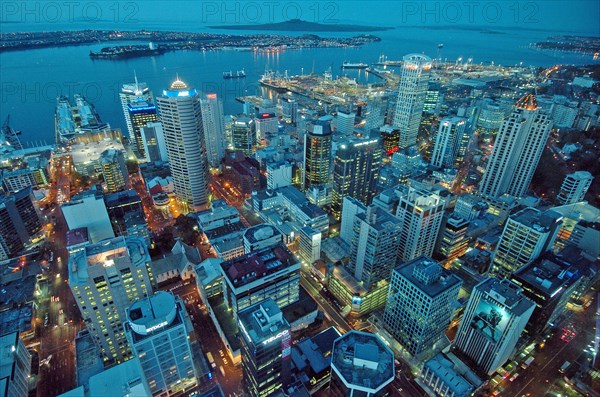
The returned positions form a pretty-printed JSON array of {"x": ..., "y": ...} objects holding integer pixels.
[{"x": 298, "y": 25}]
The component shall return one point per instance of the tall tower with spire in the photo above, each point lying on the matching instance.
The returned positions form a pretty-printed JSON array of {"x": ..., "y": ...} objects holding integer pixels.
[
  {"x": 139, "y": 110},
  {"x": 181, "y": 116},
  {"x": 517, "y": 151}
]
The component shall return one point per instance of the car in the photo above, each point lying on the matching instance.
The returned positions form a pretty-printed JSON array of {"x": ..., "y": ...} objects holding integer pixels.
[
  {"x": 225, "y": 361},
  {"x": 221, "y": 353}
]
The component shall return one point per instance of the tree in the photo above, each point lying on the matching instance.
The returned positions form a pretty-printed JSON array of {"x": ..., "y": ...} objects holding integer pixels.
[{"x": 187, "y": 229}]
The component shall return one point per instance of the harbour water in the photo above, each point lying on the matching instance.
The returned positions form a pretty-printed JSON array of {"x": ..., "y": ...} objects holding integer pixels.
[{"x": 32, "y": 79}]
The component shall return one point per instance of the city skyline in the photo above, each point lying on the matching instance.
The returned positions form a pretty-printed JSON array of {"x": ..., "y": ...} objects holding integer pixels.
[{"x": 387, "y": 199}]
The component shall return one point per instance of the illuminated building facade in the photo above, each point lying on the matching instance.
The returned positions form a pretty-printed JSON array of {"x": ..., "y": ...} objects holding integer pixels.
[
  {"x": 355, "y": 171},
  {"x": 574, "y": 187},
  {"x": 19, "y": 221},
  {"x": 214, "y": 129},
  {"x": 448, "y": 141},
  {"x": 158, "y": 336},
  {"x": 420, "y": 304},
  {"x": 517, "y": 150},
  {"x": 266, "y": 349},
  {"x": 317, "y": 154},
  {"x": 526, "y": 235},
  {"x": 243, "y": 134},
  {"x": 414, "y": 80},
  {"x": 495, "y": 316},
  {"x": 139, "y": 110},
  {"x": 181, "y": 116},
  {"x": 114, "y": 170},
  {"x": 106, "y": 278},
  {"x": 453, "y": 240}
]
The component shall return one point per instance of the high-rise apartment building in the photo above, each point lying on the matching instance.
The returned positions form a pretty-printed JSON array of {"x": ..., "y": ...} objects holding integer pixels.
[
  {"x": 114, "y": 170},
  {"x": 139, "y": 110},
  {"x": 361, "y": 365},
  {"x": 317, "y": 154},
  {"x": 181, "y": 117},
  {"x": 214, "y": 129},
  {"x": 517, "y": 150},
  {"x": 448, "y": 141},
  {"x": 420, "y": 304},
  {"x": 309, "y": 245},
  {"x": 495, "y": 316},
  {"x": 355, "y": 171},
  {"x": 420, "y": 212},
  {"x": 158, "y": 334},
  {"x": 526, "y": 235},
  {"x": 266, "y": 345},
  {"x": 19, "y": 221},
  {"x": 574, "y": 187},
  {"x": 414, "y": 80},
  {"x": 106, "y": 278},
  {"x": 375, "y": 242}
]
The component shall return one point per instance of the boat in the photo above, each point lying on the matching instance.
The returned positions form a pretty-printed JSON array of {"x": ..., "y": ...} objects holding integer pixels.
[
  {"x": 240, "y": 74},
  {"x": 9, "y": 137},
  {"x": 354, "y": 65}
]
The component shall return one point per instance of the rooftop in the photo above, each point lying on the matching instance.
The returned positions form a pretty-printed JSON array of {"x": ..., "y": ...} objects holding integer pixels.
[
  {"x": 258, "y": 264},
  {"x": 77, "y": 236},
  {"x": 362, "y": 360},
  {"x": 428, "y": 275},
  {"x": 444, "y": 369},
  {"x": 536, "y": 219},
  {"x": 106, "y": 252},
  {"x": 260, "y": 232},
  {"x": 506, "y": 293},
  {"x": 152, "y": 313},
  {"x": 87, "y": 358},
  {"x": 546, "y": 276},
  {"x": 263, "y": 321}
]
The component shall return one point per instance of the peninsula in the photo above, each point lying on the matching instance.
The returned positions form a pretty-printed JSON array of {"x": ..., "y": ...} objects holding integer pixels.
[{"x": 298, "y": 25}]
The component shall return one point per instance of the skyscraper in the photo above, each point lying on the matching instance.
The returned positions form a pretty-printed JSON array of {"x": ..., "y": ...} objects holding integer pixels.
[
  {"x": 106, "y": 278},
  {"x": 448, "y": 141},
  {"x": 420, "y": 303},
  {"x": 526, "y": 235},
  {"x": 574, "y": 187},
  {"x": 157, "y": 334},
  {"x": 420, "y": 212},
  {"x": 139, "y": 109},
  {"x": 494, "y": 318},
  {"x": 517, "y": 150},
  {"x": 181, "y": 116},
  {"x": 19, "y": 221},
  {"x": 214, "y": 129},
  {"x": 266, "y": 348},
  {"x": 243, "y": 134},
  {"x": 414, "y": 79},
  {"x": 355, "y": 171},
  {"x": 351, "y": 208},
  {"x": 377, "y": 108},
  {"x": 317, "y": 154},
  {"x": 114, "y": 170},
  {"x": 375, "y": 243},
  {"x": 361, "y": 365}
]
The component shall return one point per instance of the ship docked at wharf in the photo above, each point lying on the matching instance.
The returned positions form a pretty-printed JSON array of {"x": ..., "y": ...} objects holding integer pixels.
[{"x": 73, "y": 120}]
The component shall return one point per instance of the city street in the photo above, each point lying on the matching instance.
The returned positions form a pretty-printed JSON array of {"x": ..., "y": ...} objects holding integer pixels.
[
  {"x": 539, "y": 378},
  {"x": 331, "y": 313}
]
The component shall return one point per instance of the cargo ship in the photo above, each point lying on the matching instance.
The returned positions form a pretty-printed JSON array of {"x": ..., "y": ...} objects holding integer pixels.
[
  {"x": 240, "y": 74},
  {"x": 354, "y": 65}
]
